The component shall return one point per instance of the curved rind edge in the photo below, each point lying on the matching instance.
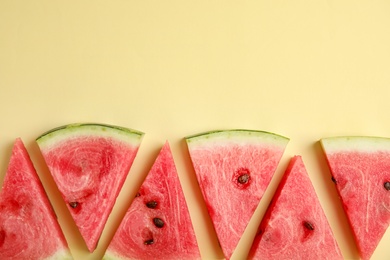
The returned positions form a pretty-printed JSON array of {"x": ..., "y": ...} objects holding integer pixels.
[
  {"x": 355, "y": 143},
  {"x": 232, "y": 132},
  {"x": 77, "y": 126}
]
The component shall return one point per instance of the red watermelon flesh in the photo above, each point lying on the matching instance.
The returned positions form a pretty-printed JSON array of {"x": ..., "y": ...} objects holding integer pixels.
[
  {"x": 28, "y": 224},
  {"x": 157, "y": 225},
  {"x": 360, "y": 168},
  {"x": 234, "y": 168},
  {"x": 89, "y": 163},
  {"x": 295, "y": 226}
]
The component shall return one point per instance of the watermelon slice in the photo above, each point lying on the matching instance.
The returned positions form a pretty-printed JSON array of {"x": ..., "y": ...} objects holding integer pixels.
[
  {"x": 360, "y": 168},
  {"x": 233, "y": 168},
  {"x": 295, "y": 226},
  {"x": 157, "y": 225},
  {"x": 28, "y": 224},
  {"x": 89, "y": 163}
]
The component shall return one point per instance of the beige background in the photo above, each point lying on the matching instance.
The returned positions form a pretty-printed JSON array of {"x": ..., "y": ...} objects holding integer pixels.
[{"x": 303, "y": 69}]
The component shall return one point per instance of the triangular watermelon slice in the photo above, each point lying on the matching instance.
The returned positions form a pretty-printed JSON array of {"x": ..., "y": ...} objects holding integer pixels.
[
  {"x": 295, "y": 226},
  {"x": 234, "y": 168},
  {"x": 360, "y": 168},
  {"x": 28, "y": 224},
  {"x": 89, "y": 163},
  {"x": 157, "y": 225}
]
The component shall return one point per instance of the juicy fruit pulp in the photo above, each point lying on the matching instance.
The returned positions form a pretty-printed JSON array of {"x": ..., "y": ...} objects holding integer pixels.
[
  {"x": 89, "y": 163},
  {"x": 234, "y": 168},
  {"x": 28, "y": 225},
  {"x": 295, "y": 226},
  {"x": 360, "y": 168},
  {"x": 157, "y": 225}
]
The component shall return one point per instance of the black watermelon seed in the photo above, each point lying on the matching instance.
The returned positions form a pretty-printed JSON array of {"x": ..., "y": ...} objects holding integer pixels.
[
  {"x": 334, "y": 180},
  {"x": 387, "y": 185},
  {"x": 158, "y": 222},
  {"x": 308, "y": 225},
  {"x": 151, "y": 204},
  {"x": 138, "y": 194},
  {"x": 243, "y": 179},
  {"x": 73, "y": 204},
  {"x": 149, "y": 241}
]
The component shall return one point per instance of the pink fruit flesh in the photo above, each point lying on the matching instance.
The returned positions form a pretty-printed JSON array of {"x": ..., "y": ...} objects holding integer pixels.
[
  {"x": 233, "y": 174},
  {"x": 157, "y": 225},
  {"x": 295, "y": 226},
  {"x": 360, "y": 179},
  {"x": 89, "y": 172},
  {"x": 28, "y": 225}
]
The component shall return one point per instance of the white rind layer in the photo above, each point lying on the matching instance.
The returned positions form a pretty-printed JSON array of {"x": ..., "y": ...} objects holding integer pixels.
[
  {"x": 112, "y": 256},
  {"x": 241, "y": 136},
  {"x": 355, "y": 143},
  {"x": 61, "y": 254}
]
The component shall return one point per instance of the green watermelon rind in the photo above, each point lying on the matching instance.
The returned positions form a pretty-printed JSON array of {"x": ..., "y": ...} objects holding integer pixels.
[
  {"x": 58, "y": 134},
  {"x": 355, "y": 143},
  {"x": 111, "y": 256},
  {"x": 240, "y": 135},
  {"x": 61, "y": 254}
]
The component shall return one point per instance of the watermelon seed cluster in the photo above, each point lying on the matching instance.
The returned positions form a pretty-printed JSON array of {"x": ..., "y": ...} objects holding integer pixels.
[{"x": 158, "y": 222}]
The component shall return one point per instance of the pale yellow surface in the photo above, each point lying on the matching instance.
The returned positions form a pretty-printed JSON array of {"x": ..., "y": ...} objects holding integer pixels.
[{"x": 302, "y": 69}]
